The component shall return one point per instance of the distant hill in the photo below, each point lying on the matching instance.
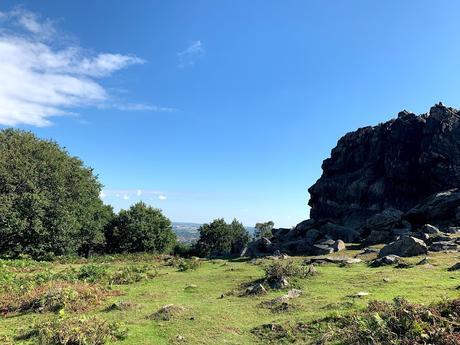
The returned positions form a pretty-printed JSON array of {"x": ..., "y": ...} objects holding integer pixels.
[{"x": 188, "y": 232}]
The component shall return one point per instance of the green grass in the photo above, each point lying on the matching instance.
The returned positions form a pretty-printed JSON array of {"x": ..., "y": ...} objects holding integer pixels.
[{"x": 210, "y": 319}]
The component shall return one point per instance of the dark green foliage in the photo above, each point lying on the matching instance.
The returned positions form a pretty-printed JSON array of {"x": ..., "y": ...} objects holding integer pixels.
[
  {"x": 221, "y": 239},
  {"x": 49, "y": 201},
  {"x": 264, "y": 229},
  {"x": 184, "y": 250},
  {"x": 141, "y": 229}
]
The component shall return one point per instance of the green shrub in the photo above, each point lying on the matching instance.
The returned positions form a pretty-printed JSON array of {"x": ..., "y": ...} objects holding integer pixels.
[
  {"x": 187, "y": 264},
  {"x": 132, "y": 274},
  {"x": 76, "y": 331},
  {"x": 53, "y": 297},
  {"x": 287, "y": 269},
  {"x": 92, "y": 273}
]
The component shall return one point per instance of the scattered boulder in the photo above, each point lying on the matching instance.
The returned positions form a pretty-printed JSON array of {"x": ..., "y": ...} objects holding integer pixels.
[
  {"x": 454, "y": 267},
  {"x": 332, "y": 260},
  {"x": 360, "y": 294},
  {"x": 430, "y": 229},
  {"x": 280, "y": 283},
  {"x": 405, "y": 246},
  {"x": 442, "y": 246},
  {"x": 452, "y": 230},
  {"x": 294, "y": 293},
  {"x": 322, "y": 249},
  {"x": 338, "y": 245},
  {"x": 368, "y": 251},
  {"x": 257, "y": 289},
  {"x": 424, "y": 261},
  {"x": 385, "y": 261}
]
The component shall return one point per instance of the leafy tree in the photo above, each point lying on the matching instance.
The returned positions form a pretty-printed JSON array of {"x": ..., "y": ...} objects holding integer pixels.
[
  {"x": 49, "y": 201},
  {"x": 141, "y": 228},
  {"x": 221, "y": 239},
  {"x": 264, "y": 229}
]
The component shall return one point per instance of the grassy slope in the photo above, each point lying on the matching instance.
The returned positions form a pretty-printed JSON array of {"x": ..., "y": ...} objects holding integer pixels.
[{"x": 229, "y": 320}]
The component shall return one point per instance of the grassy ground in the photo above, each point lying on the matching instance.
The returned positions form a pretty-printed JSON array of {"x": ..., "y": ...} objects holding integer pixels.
[{"x": 210, "y": 319}]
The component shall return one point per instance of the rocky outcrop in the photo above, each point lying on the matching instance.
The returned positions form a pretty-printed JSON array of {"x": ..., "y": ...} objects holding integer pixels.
[
  {"x": 391, "y": 183},
  {"x": 396, "y": 164}
]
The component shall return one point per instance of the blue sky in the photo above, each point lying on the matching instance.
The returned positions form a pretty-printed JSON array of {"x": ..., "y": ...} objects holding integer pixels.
[{"x": 211, "y": 109}]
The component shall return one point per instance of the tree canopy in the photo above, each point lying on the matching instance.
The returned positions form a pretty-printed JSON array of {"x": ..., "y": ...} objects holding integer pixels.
[
  {"x": 264, "y": 229},
  {"x": 49, "y": 201},
  {"x": 141, "y": 228},
  {"x": 221, "y": 239}
]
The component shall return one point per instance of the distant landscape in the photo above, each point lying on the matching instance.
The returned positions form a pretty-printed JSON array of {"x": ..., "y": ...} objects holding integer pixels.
[{"x": 188, "y": 232}]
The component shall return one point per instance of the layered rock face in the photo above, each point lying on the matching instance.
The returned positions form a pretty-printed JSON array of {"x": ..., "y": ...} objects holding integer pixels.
[
  {"x": 394, "y": 165},
  {"x": 398, "y": 181}
]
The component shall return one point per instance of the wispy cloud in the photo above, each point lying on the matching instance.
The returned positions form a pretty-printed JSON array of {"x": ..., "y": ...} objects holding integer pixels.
[
  {"x": 143, "y": 107},
  {"x": 127, "y": 194},
  {"x": 39, "y": 79},
  {"x": 191, "y": 54}
]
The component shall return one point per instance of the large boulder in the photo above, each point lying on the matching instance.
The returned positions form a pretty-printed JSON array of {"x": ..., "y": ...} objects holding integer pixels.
[
  {"x": 338, "y": 232},
  {"x": 405, "y": 246},
  {"x": 440, "y": 208},
  {"x": 396, "y": 164}
]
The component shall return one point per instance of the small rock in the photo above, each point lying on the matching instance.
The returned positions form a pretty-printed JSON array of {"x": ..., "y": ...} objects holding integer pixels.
[
  {"x": 280, "y": 283},
  {"x": 422, "y": 262},
  {"x": 430, "y": 229},
  {"x": 442, "y": 246},
  {"x": 320, "y": 249},
  {"x": 385, "y": 261},
  {"x": 455, "y": 267},
  {"x": 338, "y": 245},
  {"x": 257, "y": 289},
  {"x": 452, "y": 230},
  {"x": 360, "y": 294}
]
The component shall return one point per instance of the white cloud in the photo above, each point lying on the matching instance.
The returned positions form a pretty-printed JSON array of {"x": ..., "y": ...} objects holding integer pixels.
[
  {"x": 133, "y": 193},
  {"x": 39, "y": 80},
  {"x": 191, "y": 54},
  {"x": 102, "y": 194}
]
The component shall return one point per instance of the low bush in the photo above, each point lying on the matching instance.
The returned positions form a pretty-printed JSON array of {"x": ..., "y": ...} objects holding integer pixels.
[
  {"x": 75, "y": 331},
  {"x": 92, "y": 273},
  {"x": 287, "y": 269},
  {"x": 53, "y": 297},
  {"x": 187, "y": 264},
  {"x": 400, "y": 322},
  {"x": 132, "y": 274}
]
